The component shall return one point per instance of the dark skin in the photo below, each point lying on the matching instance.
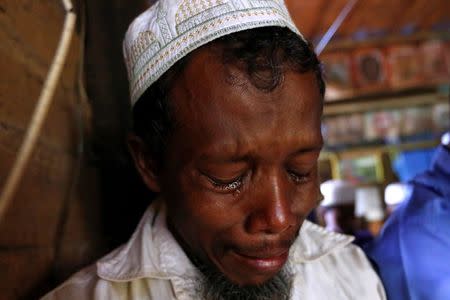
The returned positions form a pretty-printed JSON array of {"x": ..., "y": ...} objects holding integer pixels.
[{"x": 240, "y": 173}]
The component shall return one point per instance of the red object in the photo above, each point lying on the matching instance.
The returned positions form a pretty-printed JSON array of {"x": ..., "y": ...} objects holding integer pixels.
[
  {"x": 436, "y": 58},
  {"x": 405, "y": 66},
  {"x": 369, "y": 69}
]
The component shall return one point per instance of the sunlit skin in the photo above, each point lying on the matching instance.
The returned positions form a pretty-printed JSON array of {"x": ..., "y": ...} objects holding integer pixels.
[{"x": 240, "y": 173}]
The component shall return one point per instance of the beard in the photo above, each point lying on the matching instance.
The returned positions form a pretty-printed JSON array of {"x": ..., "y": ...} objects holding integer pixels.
[{"x": 215, "y": 286}]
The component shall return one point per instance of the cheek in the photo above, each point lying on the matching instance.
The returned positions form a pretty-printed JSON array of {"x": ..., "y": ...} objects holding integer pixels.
[{"x": 198, "y": 215}]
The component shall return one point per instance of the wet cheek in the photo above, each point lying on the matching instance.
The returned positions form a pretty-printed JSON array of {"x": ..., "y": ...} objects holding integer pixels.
[
  {"x": 196, "y": 232},
  {"x": 204, "y": 213},
  {"x": 206, "y": 206}
]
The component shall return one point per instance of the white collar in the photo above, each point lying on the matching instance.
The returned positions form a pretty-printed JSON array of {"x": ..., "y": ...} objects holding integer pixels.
[{"x": 152, "y": 251}]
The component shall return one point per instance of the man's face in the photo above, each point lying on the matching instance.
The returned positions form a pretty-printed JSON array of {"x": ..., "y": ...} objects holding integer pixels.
[{"x": 240, "y": 174}]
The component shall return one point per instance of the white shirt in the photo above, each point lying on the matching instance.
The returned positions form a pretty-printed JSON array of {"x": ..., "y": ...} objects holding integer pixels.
[{"x": 152, "y": 265}]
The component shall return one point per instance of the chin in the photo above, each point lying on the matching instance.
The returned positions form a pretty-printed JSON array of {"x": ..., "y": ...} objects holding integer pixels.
[
  {"x": 257, "y": 280},
  {"x": 220, "y": 285}
]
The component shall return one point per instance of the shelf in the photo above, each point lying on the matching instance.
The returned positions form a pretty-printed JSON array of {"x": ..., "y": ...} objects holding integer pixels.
[
  {"x": 389, "y": 101},
  {"x": 375, "y": 162},
  {"x": 361, "y": 150}
]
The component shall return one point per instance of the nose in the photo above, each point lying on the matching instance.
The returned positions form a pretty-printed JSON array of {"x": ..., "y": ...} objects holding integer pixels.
[{"x": 271, "y": 212}]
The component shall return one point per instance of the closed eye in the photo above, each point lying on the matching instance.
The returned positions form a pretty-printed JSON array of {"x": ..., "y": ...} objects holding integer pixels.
[
  {"x": 299, "y": 178},
  {"x": 225, "y": 185}
]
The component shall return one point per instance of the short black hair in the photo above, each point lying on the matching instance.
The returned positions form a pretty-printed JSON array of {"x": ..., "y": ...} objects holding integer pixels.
[{"x": 264, "y": 54}]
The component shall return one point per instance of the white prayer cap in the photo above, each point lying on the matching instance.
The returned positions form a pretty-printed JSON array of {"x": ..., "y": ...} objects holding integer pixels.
[
  {"x": 374, "y": 215},
  {"x": 445, "y": 139},
  {"x": 170, "y": 29},
  {"x": 337, "y": 192},
  {"x": 369, "y": 204},
  {"x": 395, "y": 193}
]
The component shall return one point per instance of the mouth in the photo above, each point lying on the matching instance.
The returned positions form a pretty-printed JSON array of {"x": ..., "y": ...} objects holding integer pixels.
[{"x": 263, "y": 263}]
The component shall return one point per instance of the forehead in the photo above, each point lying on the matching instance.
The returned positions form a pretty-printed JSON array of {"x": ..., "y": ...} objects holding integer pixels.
[{"x": 218, "y": 101}]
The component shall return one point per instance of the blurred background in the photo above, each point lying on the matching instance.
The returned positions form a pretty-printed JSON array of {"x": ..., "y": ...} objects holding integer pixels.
[{"x": 387, "y": 66}]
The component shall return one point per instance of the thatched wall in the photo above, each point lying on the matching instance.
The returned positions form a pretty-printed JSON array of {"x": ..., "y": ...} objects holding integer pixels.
[{"x": 71, "y": 205}]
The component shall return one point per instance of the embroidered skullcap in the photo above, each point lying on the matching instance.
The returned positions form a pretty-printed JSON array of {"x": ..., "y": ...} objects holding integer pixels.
[
  {"x": 396, "y": 193},
  {"x": 337, "y": 192},
  {"x": 170, "y": 29}
]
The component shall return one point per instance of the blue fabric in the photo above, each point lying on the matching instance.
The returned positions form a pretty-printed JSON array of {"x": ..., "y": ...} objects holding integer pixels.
[
  {"x": 412, "y": 252},
  {"x": 410, "y": 163},
  {"x": 362, "y": 238}
]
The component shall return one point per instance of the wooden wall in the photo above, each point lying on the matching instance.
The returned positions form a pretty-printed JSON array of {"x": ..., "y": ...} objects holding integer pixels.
[
  {"x": 80, "y": 196},
  {"x": 373, "y": 18},
  {"x": 51, "y": 227},
  {"x": 123, "y": 196}
]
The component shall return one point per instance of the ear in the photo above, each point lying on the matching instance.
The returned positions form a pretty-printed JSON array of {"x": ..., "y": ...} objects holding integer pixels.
[{"x": 145, "y": 165}]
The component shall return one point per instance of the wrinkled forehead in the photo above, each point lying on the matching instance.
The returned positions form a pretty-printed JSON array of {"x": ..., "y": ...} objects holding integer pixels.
[
  {"x": 205, "y": 69},
  {"x": 209, "y": 92},
  {"x": 206, "y": 86}
]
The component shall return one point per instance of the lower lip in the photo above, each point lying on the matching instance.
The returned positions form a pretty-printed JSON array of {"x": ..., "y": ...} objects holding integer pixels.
[{"x": 264, "y": 265}]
